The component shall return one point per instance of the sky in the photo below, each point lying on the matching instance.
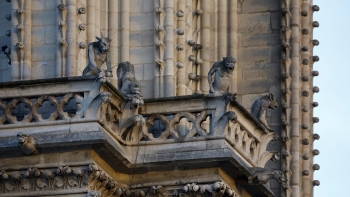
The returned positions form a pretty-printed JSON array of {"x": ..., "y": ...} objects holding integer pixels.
[{"x": 334, "y": 109}]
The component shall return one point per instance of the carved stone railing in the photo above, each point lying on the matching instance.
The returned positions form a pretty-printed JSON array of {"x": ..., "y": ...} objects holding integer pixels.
[
  {"x": 69, "y": 99},
  {"x": 28, "y": 108},
  {"x": 206, "y": 118},
  {"x": 165, "y": 120}
]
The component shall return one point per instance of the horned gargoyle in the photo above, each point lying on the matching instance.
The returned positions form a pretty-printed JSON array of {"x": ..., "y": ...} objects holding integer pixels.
[
  {"x": 97, "y": 56},
  {"x": 27, "y": 144},
  {"x": 261, "y": 176},
  {"x": 127, "y": 83},
  {"x": 260, "y": 106}
]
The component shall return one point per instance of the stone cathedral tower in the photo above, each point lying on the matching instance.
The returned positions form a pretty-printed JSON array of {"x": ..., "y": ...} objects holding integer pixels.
[{"x": 64, "y": 134}]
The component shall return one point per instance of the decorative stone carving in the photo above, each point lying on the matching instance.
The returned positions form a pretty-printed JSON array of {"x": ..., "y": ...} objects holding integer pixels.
[
  {"x": 45, "y": 181},
  {"x": 65, "y": 179},
  {"x": 260, "y": 106},
  {"x": 217, "y": 189},
  {"x": 223, "y": 74},
  {"x": 222, "y": 116},
  {"x": 133, "y": 127},
  {"x": 27, "y": 144},
  {"x": 81, "y": 10},
  {"x": 93, "y": 194},
  {"x": 127, "y": 83},
  {"x": 61, "y": 7},
  {"x": 97, "y": 56},
  {"x": 261, "y": 176},
  {"x": 58, "y": 103}
]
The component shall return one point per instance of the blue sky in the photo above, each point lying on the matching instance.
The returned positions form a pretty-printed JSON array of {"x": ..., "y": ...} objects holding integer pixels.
[{"x": 334, "y": 108}]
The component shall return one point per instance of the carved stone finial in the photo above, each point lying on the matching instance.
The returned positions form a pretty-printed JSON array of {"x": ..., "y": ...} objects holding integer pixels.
[
  {"x": 82, "y": 27},
  {"x": 97, "y": 56},
  {"x": 261, "y": 176},
  {"x": 81, "y": 10},
  {"x": 180, "y": 47},
  {"x": 316, "y": 136},
  {"x": 82, "y": 45},
  {"x": 260, "y": 106},
  {"x": 27, "y": 144},
  {"x": 61, "y": 7},
  {"x": 191, "y": 42},
  {"x": 316, "y": 167},
  {"x": 315, "y": 42},
  {"x": 180, "y": 31},
  {"x": 127, "y": 83},
  {"x": 276, "y": 157},
  {"x": 316, "y": 182},
  {"x": 315, "y": 8},
  {"x": 222, "y": 71}
]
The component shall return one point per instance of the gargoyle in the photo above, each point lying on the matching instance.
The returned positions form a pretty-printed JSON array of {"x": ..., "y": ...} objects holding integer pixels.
[
  {"x": 97, "y": 56},
  {"x": 127, "y": 83},
  {"x": 259, "y": 108},
  {"x": 223, "y": 73},
  {"x": 27, "y": 144},
  {"x": 261, "y": 176}
]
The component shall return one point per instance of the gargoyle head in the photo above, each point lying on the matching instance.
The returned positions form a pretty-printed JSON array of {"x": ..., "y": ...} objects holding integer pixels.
[
  {"x": 106, "y": 97},
  {"x": 229, "y": 62},
  {"x": 103, "y": 43},
  {"x": 279, "y": 176},
  {"x": 22, "y": 138},
  {"x": 136, "y": 89},
  {"x": 272, "y": 102},
  {"x": 27, "y": 143}
]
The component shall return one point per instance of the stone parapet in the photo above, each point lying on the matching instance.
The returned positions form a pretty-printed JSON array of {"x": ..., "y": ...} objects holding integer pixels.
[{"x": 85, "y": 113}]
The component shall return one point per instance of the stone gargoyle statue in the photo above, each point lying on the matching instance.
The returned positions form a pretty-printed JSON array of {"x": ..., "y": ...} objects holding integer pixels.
[
  {"x": 127, "y": 83},
  {"x": 27, "y": 144},
  {"x": 97, "y": 56},
  {"x": 261, "y": 176},
  {"x": 222, "y": 71},
  {"x": 260, "y": 106}
]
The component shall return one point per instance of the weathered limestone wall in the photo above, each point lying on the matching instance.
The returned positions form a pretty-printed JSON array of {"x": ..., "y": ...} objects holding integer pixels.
[
  {"x": 5, "y": 40},
  {"x": 142, "y": 25},
  {"x": 259, "y": 54},
  {"x": 166, "y": 41},
  {"x": 43, "y": 41}
]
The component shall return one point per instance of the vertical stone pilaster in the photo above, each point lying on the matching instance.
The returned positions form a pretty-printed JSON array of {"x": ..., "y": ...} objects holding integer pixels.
[
  {"x": 71, "y": 64},
  {"x": 113, "y": 34}
]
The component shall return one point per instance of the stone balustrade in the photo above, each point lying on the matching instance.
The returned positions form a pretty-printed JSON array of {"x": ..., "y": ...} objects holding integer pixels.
[{"x": 86, "y": 100}]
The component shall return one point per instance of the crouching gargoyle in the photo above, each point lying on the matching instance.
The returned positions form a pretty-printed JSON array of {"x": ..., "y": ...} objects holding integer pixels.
[
  {"x": 261, "y": 176},
  {"x": 260, "y": 106},
  {"x": 127, "y": 83},
  {"x": 222, "y": 71},
  {"x": 97, "y": 56}
]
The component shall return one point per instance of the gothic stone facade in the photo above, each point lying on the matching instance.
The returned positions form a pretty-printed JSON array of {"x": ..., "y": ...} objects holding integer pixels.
[{"x": 64, "y": 134}]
